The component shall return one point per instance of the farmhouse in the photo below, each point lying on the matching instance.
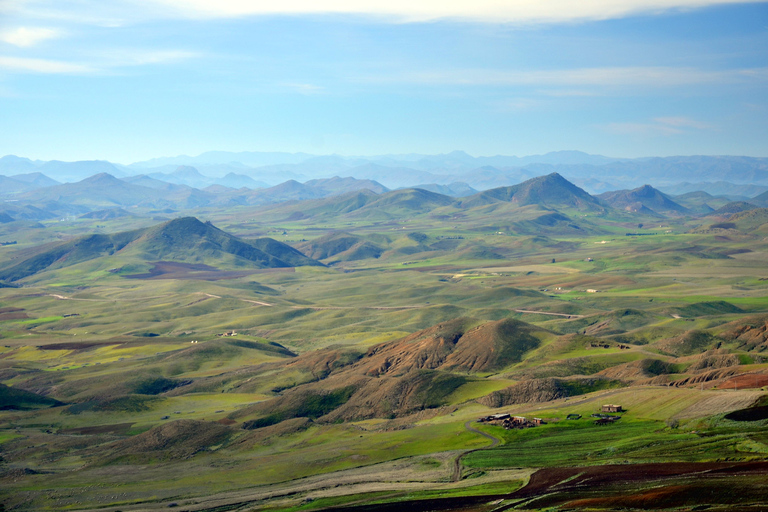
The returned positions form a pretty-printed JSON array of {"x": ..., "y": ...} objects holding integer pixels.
[
  {"x": 612, "y": 408},
  {"x": 510, "y": 422}
]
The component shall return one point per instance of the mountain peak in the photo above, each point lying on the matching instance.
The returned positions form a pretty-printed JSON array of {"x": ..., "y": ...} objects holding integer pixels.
[
  {"x": 187, "y": 171},
  {"x": 549, "y": 190},
  {"x": 102, "y": 178}
]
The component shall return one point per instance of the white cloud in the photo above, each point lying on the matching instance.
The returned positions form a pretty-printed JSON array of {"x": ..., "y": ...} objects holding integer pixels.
[
  {"x": 495, "y": 11},
  {"x": 42, "y": 66},
  {"x": 28, "y": 36}
]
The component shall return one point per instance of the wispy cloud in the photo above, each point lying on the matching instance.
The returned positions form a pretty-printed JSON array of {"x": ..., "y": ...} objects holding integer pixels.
[
  {"x": 519, "y": 104},
  {"x": 494, "y": 11},
  {"x": 117, "y": 58},
  {"x": 665, "y": 126},
  {"x": 305, "y": 89},
  {"x": 27, "y": 36},
  {"x": 609, "y": 77},
  {"x": 566, "y": 93},
  {"x": 116, "y": 12},
  {"x": 94, "y": 64},
  {"x": 45, "y": 66},
  {"x": 682, "y": 122}
]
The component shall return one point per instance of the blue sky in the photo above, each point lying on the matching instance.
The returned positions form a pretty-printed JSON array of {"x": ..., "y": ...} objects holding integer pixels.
[{"x": 136, "y": 79}]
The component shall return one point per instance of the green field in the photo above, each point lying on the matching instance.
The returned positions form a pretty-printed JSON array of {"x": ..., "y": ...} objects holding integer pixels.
[{"x": 352, "y": 383}]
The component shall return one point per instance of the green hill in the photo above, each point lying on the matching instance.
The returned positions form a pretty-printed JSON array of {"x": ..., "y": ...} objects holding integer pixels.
[
  {"x": 750, "y": 221},
  {"x": 644, "y": 197},
  {"x": 183, "y": 240},
  {"x": 733, "y": 207}
]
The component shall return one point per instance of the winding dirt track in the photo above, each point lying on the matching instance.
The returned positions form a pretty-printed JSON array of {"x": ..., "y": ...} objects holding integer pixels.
[
  {"x": 566, "y": 315},
  {"x": 457, "y": 461}
]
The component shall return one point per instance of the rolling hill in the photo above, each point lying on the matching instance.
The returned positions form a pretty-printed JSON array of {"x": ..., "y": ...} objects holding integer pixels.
[
  {"x": 398, "y": 377},
  {"x": 340, "y": 245},
  {"x": 643, "y": 198}
]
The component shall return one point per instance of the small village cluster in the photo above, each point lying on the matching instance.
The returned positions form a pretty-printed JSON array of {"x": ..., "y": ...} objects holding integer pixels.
[
  {"x": 606, "y": 345},
  {"x": 510, "y": 422}
]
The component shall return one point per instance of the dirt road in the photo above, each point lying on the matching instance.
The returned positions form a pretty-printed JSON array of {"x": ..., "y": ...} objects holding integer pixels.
[{"x": 457, "y": 461}]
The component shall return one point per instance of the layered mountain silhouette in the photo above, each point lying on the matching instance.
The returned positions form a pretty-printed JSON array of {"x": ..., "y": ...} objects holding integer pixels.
[
  {"x": 181, "y": 240},
  {"x": 356, "y": 199}
]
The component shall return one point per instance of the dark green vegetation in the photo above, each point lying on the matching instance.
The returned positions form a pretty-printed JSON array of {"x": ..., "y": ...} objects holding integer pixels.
[
  {"x": 146, "y": 362},
  {"x": 19, "y": 399}
]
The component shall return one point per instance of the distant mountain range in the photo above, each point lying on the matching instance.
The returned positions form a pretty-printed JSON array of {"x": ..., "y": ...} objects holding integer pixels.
[
  {"x": 727, "y": 175},
  {"x": 104, "y": 196}
]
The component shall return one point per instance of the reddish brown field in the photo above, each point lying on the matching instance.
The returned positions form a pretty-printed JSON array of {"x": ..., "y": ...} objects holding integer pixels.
[
  {"x": 12, "y": 314},
  {"x": 649, "y": 486}
]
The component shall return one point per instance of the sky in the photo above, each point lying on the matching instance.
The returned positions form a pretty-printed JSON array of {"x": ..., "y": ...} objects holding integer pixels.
[{"x": 130, "y": 80}]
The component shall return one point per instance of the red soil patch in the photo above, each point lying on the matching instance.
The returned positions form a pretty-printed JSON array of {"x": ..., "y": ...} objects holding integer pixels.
[
  {"x": 198, "y": 272},
  {"x": 649, "y": 499},
  {"x": 745, "y": 381}
]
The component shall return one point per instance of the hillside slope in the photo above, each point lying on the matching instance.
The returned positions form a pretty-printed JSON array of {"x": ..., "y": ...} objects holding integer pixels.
[{"x": 399, "y": 377}]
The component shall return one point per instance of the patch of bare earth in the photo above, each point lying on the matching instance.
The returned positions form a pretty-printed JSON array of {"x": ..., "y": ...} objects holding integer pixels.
[{"x": 198, "y": 272}]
